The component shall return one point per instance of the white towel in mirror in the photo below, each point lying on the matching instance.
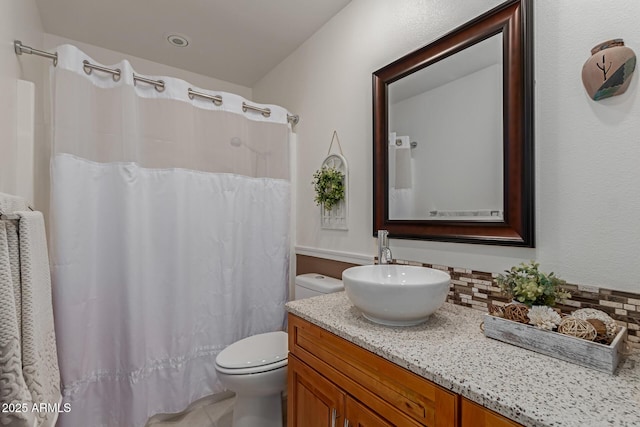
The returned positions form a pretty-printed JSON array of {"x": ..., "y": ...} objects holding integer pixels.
[{"x": 403, "y": 163}]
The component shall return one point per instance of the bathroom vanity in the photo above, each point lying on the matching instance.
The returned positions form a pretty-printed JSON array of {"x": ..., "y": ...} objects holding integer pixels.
[
  {"x": 329, "y": 377},
  {"x": 442, "y": 373}
]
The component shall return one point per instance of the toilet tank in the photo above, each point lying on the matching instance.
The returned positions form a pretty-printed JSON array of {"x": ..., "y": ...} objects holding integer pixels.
[{"x": 312, "y": 284}]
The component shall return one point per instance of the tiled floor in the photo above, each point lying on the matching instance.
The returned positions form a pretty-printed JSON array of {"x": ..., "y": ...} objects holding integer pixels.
[{"x": 202, "y": 414}]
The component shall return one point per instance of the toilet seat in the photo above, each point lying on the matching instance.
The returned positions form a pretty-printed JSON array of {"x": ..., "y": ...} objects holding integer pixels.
[
  {"x": 254, "y": 354},
  {"x": 248, "y": 371}
]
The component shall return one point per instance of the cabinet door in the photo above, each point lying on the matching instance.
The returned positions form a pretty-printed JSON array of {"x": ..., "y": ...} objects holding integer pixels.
[
  {"x": 474, "y": 415},
  {"x": 313, "y": 400}
]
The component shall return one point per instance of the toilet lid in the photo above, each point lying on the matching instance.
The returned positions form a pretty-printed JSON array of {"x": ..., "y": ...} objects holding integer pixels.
[{"x": 257, "y": 350}]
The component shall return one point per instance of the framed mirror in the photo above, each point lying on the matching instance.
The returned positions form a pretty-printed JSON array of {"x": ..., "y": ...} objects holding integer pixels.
[{"x": 453, "y": 135}]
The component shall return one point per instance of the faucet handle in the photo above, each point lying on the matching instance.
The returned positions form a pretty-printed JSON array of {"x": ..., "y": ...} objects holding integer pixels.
[{"x": 383, "y": 234}]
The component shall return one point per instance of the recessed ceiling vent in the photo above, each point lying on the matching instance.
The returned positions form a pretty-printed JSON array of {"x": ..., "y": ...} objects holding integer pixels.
[{"x": 178, "y": 40}]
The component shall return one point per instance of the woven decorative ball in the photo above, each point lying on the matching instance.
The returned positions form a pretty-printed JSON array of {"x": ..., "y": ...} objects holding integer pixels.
[
  {"x": 496, "y": 310},
  {"x": 601, "y": 331},
  {"x": 517, "y": 313},
  {"x": 577, "y": 328},
  {"x": 592, "y": 313}
]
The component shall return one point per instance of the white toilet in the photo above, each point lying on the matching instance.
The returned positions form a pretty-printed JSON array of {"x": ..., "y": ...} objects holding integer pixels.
[{"x": 255, "y": 368}]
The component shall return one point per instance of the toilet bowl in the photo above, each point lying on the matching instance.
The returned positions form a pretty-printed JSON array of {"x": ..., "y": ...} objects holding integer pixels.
[{"x": 255, "y": 368}]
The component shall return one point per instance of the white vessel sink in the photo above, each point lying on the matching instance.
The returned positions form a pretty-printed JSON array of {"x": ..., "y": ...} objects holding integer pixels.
[{"x": 396, "y": 295}]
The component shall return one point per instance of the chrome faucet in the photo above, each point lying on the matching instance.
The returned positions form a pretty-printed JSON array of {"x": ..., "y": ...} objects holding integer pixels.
[{"x": 384, "y": 253}]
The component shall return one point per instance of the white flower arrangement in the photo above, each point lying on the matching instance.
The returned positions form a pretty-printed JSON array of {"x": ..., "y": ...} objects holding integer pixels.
[{"x": 543, "y": 317}]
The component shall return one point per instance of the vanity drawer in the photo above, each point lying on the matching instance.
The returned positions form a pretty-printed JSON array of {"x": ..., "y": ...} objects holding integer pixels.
[{"x": 386, "y": 388}]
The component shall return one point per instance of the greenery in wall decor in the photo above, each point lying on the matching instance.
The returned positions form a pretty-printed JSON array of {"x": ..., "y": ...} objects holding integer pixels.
[
  {"x": 329, "y": 186},
  {"x": 525, "y": 283}
]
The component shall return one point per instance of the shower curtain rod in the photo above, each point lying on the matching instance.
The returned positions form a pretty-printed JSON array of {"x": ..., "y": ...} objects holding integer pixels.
[
  {"x": 20, "y": 49},
  {"x": 158, "y": 84}
]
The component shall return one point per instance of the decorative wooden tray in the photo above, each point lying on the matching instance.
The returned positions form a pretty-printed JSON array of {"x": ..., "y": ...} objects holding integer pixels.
[{"x": 590, "y": 354}]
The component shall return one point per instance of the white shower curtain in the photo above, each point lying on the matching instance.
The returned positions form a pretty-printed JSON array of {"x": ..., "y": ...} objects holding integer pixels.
[{"x": 170, "y": 238}]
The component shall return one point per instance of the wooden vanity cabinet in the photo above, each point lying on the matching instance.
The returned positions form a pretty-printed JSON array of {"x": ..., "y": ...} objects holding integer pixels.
[{"x": 332, "y": 381}]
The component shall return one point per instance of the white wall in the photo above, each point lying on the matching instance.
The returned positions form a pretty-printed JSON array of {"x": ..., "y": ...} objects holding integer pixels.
[
  {"x": 587, "y": 153},
  {"x": 19, "y": 20}
]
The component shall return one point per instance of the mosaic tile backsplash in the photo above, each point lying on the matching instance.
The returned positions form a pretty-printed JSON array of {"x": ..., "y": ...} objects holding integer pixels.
[{"x": 478, "y": 289}]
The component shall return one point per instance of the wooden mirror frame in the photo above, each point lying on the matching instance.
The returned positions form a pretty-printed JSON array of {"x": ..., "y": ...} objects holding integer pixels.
[{"x": 514, "y": 20}]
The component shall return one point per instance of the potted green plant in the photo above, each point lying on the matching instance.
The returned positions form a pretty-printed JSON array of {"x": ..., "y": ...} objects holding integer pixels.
[
  {"x": 525, "y": 283},
  {"x": 328, "y": 184}
]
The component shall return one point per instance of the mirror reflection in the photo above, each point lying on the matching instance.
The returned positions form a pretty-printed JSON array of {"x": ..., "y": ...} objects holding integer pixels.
[{"x": 445, "y": 146}]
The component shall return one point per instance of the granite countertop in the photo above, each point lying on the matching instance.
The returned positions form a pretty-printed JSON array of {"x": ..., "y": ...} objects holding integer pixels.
[{"x": 451, "y": 350}]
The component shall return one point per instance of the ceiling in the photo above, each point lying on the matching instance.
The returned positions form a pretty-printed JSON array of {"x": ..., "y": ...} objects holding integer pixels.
[
  {"x": 234, "y": 40},
  {"x": 467, "y": 61}
]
